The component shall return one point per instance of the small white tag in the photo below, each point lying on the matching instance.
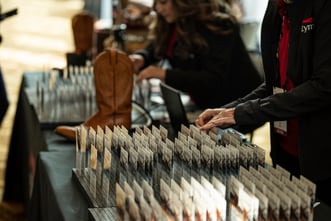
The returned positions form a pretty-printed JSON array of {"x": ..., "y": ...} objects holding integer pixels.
[{"x": 280, "y": 126}]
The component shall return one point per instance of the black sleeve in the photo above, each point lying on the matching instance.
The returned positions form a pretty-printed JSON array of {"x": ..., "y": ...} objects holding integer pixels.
[{"x": 148, "y": 54}]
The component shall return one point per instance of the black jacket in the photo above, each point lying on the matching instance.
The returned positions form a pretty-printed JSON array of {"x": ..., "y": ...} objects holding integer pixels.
[
  {"x": 213, "y": 77},
  {"x": 309, "y": 67}
]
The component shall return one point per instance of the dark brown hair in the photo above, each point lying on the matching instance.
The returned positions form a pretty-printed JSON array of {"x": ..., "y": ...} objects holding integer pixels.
[{"x": 192, "y": 14}]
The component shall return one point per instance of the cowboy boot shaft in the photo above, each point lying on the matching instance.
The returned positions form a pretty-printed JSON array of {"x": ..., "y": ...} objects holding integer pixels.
[
  {"x": 82, "y": 27},
  {"x": 113, "y": 79}
]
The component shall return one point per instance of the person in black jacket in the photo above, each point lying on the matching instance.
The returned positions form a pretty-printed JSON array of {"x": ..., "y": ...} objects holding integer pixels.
[
  {"x": 296, "y": 95},
  {"x": 4, "y": 103},
  {"x": 204, "y": 49}
]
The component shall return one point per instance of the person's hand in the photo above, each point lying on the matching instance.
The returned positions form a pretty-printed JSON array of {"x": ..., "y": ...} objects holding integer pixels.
[
  {"x": 206, "y": 116},
  {"x": 138, "y": 61},
  {"x": 219, "y": 117},
  {"x": 151, "y": 72}
]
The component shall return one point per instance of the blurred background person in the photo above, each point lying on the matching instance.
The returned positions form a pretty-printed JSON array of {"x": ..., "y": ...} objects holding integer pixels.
[{"x": 4, "y": 103}]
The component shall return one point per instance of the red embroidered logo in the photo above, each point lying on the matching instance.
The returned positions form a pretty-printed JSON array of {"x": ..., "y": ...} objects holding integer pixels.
[
  {"x": 307, "y": 25},
  {"x": 307, "y": 20}
]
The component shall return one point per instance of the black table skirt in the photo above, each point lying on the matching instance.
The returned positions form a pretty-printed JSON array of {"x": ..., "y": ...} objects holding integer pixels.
[
  {"x": 26, "y": 141},
  {"x": 55, "y": 194}
]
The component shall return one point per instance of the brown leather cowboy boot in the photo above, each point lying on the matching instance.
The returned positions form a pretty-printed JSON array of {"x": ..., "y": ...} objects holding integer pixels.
[
  {"x": 82, "y": 25},
  {"x": 113, "y": 77}
]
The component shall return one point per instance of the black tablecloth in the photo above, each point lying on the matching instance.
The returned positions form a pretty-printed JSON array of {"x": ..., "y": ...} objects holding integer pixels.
[
  {"x": 55, "y": 194},
  {"x": 26, "y": 141}
]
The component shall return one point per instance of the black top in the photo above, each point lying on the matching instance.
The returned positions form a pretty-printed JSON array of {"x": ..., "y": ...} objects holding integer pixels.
[{"x": 215, "y": 76}]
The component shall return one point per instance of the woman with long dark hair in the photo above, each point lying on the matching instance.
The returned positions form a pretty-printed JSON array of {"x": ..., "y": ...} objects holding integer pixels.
[{"x": 204, "y": 49}]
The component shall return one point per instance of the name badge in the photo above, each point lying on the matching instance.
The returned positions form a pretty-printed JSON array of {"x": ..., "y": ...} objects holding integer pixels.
[{"x": 280, "y": 127}]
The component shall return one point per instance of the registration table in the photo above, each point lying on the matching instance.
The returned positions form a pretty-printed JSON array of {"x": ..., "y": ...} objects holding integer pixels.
[
  {"x": 39, "y": 170},
  {"x": 28, "y": 136},
  {"x": 56, "y": 195}
]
